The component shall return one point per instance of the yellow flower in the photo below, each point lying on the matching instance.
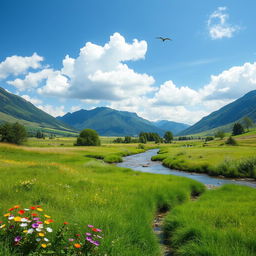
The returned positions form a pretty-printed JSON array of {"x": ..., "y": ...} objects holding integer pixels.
[
  {"x": 44, "y": 245},
  {"x": 47, "y": 216},
  {"x": 25, "y": 231},
  {"x": 2, "y": 226},
  {"x": 41, "y": 234},
  {"x": 17, "y": 218},
  {"x": 7, "y": 214},
  {"x": 46, "y": 222},
  {"x": 39, "y": 209}
]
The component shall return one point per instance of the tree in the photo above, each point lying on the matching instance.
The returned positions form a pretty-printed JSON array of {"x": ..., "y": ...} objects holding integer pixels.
[
  {"x": 231, "y": 141},
  {"x": 220, "y": 134},
  {"x": 168, "y": 137},
  {"x": 88, "y": 137},
  {"x": 127, "y": 139},
  {"x": 247, "y": 121},
  {"x": 237, "y": 129},
  {"x": 13, "y": 133}
]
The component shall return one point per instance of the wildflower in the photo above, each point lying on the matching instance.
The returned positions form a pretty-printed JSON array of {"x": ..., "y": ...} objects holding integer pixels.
[
  {"x": 17, "y": 219},
  {"x": 21, "y": 212},
  {"x": 38, "y": 239},
  {"x": 36, "y": 219},
  {"x": 46, "y": 239},
  {"x": 34, "y": 214},
  {"x": 2, "y": 226},
  {"x": 26, "y": 209},
  {"x": 49, "y": 230},
  {"x": 65, "y": 223},
  {"x": 90, "y": 226},
  {"x": 11, "y": 209},
  {"x": 77, "y": 245},
  {"x": 96, "y": 230},
  {"x": 71, "y": 239},
  {"x": 30, "y": 231},
  {"x": 17, "y": 238},
  {"x": 47, "y": 216},
  {"x": 44, "y": 245},
  {"x": 24, "y": 220},
  {"x": 88, "y": 234},
  {"x": 39, "y": 209},
  {"x": 35, "y": 225},
  {"x": 7, "y": 214},
  {"x": 11, "y": 217},
  {"x": 41, "y": 234},
  {"x": 23, "y": 224},
  {"x": 25, "y": 231},
  {"x": 96, "y": 243},
  {"x": 33, "y": 208},
  {"x": 16, "y": 206}
]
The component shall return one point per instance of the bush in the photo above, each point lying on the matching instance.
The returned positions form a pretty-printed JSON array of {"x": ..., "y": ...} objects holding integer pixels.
[
  {"x": 168, "y": 137},
  {"x": 231, "y": 141},
  {"x": 237, "y": 129},
  {"x": 13, "y": 133},
  {"x": 209, "y": 138},
  {"x": 88, "y": 137}
]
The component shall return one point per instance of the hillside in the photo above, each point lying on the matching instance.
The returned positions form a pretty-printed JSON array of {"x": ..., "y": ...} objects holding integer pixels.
[
  {"x": 110, "y": 122},
  {"x": 14, "y": 108},
  {"x": 174, "y": 127},
  {"x": 244, "y": 106}
]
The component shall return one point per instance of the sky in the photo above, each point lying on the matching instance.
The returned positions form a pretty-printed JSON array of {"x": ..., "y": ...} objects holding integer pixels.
[{"x": 65, "y": 55}]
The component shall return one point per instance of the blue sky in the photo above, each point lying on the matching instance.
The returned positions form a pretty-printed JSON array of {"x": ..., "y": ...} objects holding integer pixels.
[{"x": 65, "y": 55}]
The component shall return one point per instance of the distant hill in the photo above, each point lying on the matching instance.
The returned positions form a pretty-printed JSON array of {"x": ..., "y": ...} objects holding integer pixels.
[
  {"x": 174, "y": 127},
  {"x": 235, "y": 111},
  {"x": 14, "y": 108},
  {"x": 110, "y": 122}
]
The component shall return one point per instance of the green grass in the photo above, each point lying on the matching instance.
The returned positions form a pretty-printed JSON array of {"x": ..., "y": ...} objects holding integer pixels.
[
  {"x": 221, "y": 222},
  {"x": 214, "y": 157},
  {"x": 73, "y": 187}
]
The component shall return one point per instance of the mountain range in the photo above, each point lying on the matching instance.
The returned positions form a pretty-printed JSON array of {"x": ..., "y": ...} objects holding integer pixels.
[
  {"x": 111, "y": 122},
  {"x": 233, "y": 112}
]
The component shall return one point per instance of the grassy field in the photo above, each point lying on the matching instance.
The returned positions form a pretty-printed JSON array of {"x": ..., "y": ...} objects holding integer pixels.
[
  {"x": 221, "y": 222},
  {"x": 213, "y": 157},
  {"x": 72, "y": 187}
]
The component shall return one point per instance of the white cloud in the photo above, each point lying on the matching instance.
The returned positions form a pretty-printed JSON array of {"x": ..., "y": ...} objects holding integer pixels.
[
  {"x": 218, "y": 26},
  {"x": 16, "y": 65},
  {"x": 170, "y": 94},
  {"x": 75, "y": 108},
  {"x": 34, "y": 101},
  {"x": 231, "y": 83},
  {"x": 53, "y": 110}
]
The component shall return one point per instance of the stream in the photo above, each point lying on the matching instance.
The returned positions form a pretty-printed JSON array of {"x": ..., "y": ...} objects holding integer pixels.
[{"x": 142, "y": 162}]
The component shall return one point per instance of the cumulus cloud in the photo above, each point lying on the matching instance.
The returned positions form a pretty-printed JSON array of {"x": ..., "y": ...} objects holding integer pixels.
[
  {"x": 218, "y": 25},
  {"x": 16, "y": 65},
  {"x": 34, "y": 101},
  {"x": 53, "y": 110}
]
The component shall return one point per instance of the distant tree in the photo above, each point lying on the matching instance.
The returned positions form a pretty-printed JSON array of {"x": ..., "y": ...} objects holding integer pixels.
[
  {"x": 237, "y": 129},
  {"x": 13, "y": 133},
  {"x": 247, "y": 122},
  {"x": 168, "y": 137},
  {"x": 209, "y": 138},
  {"x": 142, "y": 139},
  {"x": 40, "y": 135},
  {"x": 127, "y": 139},
  {"x": 220, "y": 134},
  {"x": 231, "y": 141},
  {"x": 88, "y": 137},
  {"x": 118, "y": 140}
]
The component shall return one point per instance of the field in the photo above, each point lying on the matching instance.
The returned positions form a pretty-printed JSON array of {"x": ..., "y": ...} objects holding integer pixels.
[
  {"x": 213, "y": 157},
  {"x": 75, "y": 185},
  {"x": 82, "y": 190}
]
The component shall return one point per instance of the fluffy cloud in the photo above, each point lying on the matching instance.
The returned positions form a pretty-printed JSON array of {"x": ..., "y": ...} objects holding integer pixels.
[
  {"x": 53, "y": 110},
  {"x": 218, "y": 26},
  {"x": 231, "y": 83},
  {"x": 16, "y": 65}
]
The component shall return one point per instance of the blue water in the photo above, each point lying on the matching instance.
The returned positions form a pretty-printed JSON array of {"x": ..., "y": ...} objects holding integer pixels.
[{"x": 137, "y": 161}]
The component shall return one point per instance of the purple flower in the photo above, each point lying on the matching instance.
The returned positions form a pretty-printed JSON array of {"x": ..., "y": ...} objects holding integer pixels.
[
  {"x": 96, "y": 243},
  {"x": 17, "y": 238},
  {"x": 90, "y": 226},
  {"x": 36, "y": 218},
  {"x": 71, "y": 239},
  {"x": 88, "y": 234},
  {"x": 89, "y": 239},
  {"x": 35, "y": 225}
]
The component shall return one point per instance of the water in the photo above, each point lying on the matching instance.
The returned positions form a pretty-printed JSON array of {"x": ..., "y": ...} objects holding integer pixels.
[{"x": 136, "y": 162}]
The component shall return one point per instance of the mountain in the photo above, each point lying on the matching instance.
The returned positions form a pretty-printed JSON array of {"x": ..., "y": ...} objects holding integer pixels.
[
  {"x": 233, "y": 112},
  {"x": 174, "y": 127},
  {"x": 110, "y": 122},
  {"x": 14, "y": 108}
]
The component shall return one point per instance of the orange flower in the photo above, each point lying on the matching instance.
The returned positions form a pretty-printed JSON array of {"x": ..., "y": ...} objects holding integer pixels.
[
  {"x": 11, "y": 209},
  {"x": 16, "y": 206},
  {"x": 77, "y": 245},
  {"x": 7, "y": 214},
  {"x": 65, "y": 223}
]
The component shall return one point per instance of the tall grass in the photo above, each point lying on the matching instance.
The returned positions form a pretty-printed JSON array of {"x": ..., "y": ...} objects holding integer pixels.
[
  {"x": 220, "y": 223},
  {"x": 81, "y": 190}
]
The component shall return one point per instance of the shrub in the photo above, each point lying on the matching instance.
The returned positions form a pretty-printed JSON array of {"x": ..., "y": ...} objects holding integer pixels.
[
  {"x": 13, "y": 133},
  {"x": 209, "y": 138},
  {"x": 88, "y": 137},
  {"x": 231, "y": 141},
  {"x": 237, "y": 129}
]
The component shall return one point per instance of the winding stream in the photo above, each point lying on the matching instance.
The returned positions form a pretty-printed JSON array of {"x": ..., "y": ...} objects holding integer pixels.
[{"x": 142, "y": 162}]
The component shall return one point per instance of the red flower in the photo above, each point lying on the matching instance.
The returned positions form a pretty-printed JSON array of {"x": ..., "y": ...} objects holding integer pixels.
[
  {"x": 34, "y": 214},
  {"x": 21, "y": 212},
  {"x": 11, "y": 209},
  {"x": 33, "y": 208},
  {"x": 65, "y": 223}
]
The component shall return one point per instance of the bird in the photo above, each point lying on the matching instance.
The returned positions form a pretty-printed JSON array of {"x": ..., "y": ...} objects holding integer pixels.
[{"x": 163, "y": 38}]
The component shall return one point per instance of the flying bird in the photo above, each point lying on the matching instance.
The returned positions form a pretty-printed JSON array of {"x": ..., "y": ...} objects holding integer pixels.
[{"x": 163, "y": 38}]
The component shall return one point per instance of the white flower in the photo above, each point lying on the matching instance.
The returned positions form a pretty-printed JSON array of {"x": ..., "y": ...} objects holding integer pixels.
[
  {"x": 11, "y": 218},
  {"x": 27, "y": 209},
  {"x": 38, "y": 229},
  {"x": 38, "y": 239},
  {"x": 41, "y": 226},
  {"x": 23, "y": 224},
  {"x": 24, "y": 220},
  {"x": 30, "y": 231},
  {"x": 46, "y": 239},
  {"x": 49, "y": 229}
]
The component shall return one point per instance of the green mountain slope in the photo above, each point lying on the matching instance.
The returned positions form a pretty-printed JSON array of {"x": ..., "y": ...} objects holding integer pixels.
[
  {"x": 14, "y": 108},
  {"x": 110, "y": 122},
  {"x": 235, "y": 111},
  {"x": 174, "y": 127}
]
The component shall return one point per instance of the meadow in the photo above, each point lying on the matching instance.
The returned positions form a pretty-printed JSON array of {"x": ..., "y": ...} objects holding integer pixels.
[
  {"x": 72, "y": 187},
  {"x": 213, "y": 157},
  {"x": 76, "y": 185}
]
